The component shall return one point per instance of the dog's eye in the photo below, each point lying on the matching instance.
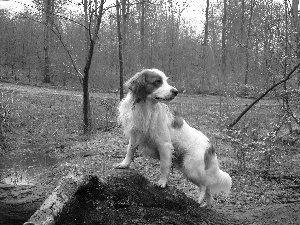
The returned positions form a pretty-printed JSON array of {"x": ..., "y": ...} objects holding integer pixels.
[{"x": 158, "y": 82}]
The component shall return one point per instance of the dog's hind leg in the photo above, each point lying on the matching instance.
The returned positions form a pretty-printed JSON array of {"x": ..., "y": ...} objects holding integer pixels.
[
  {"x": 131, "y": 149},
  {"x": 205, "y": 193}
]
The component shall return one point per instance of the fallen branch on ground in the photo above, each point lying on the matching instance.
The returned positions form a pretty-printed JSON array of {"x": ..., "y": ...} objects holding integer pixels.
[{"x": 53, "y": 205}]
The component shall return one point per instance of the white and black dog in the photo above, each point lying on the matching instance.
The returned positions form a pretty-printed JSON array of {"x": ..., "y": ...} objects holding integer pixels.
[{"x": 152, "y": 128}]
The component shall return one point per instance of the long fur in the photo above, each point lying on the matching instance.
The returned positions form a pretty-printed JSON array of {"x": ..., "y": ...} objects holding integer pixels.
[{"x": 152, "y": 128}]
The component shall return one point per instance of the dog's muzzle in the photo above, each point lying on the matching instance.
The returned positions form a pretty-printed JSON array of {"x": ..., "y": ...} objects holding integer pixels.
[{"x": 173, "y": 94}]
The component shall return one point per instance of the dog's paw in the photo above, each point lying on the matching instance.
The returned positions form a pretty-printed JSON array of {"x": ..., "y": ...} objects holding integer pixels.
[
  {"x": 120, "y": 166},
  {"x": 205, "y": 205},
  {"x": 162, "y": 184}
]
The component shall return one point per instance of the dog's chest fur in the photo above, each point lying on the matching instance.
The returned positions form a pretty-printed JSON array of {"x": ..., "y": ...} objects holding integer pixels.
[{"x": 150, "y": 119}]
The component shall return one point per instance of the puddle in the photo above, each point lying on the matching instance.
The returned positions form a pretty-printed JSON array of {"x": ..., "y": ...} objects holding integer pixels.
[{"x": 24, "y": 168}]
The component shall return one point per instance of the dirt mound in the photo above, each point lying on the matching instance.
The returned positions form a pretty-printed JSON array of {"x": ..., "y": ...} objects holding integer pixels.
[
  {"x": 128, "y": 198},
  {"x": 125, "y": 197}
]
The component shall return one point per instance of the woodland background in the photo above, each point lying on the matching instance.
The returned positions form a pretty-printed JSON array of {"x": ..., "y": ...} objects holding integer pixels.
[
  {"x": 245, "y": 45},
  {"x": 63, "y": 64},
  {"x": 243, "y": 48}
]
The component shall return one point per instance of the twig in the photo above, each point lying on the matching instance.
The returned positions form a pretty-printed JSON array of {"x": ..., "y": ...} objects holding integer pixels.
[
  {"x": 293, "y": 201},
  {"x": 294, "y": 187}
]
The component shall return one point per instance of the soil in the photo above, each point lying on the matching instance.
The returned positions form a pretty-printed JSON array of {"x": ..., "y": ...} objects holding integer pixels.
[{"x": 126, "y": 197}]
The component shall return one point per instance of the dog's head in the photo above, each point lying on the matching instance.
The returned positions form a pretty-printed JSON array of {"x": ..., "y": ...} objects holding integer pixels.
[{"x": 151, "y": 84}]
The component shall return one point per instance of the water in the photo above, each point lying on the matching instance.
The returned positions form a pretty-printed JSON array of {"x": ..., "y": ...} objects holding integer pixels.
[{"x": 24, "y": 168}]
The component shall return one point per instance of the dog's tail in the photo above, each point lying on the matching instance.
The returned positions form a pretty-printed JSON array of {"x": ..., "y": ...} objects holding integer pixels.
[{"x": 223, "y": 184}]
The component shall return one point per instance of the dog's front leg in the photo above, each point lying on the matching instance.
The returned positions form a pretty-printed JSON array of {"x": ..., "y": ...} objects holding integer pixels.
[
  {"x": 165, "y": 154},
  {"x": 209, "y": 198},
  {"x": 202, "y": 190},
  {"x": 131, "y": 148}
]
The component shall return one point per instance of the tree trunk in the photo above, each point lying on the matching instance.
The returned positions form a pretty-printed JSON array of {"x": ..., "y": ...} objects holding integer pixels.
[
  {"x": 204, "y": 52},
  {"x": 142, "y": 33},
  {"x": 296, "y": 35},
  {"x": 49, "y": 6},
  {"x": 242, "y": 36},
  {"x": 85, "y": 87},
  {"x": 223, "y": 59},
  {"x": 205, "y": 41},
  {"x": 124, "y": 31},
  {"x": 86, "y": 101},
  {"x": 285, "y": 66},
  {"x": 172, "y": 38},
  {"x": 85, "y": 79},
  {"x": 247, "y": 44},
  {"x": 120, "y": 41},
  {"x": 92, "y": 38}
]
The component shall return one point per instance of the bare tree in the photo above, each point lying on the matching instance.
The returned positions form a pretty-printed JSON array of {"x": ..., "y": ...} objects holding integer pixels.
[
  {"x": 206, "y": 24},
  {"x": 93, "y": 18}
]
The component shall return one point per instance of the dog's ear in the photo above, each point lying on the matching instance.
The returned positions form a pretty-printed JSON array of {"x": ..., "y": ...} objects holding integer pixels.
[{"x": 138, "y": 86}]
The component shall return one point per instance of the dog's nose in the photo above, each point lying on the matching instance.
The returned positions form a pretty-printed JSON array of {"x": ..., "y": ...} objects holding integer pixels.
[{"x": 174, "y": 91}]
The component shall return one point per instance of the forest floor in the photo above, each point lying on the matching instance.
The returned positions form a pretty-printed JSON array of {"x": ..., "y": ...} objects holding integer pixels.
[{"x": 266, "y": 179}]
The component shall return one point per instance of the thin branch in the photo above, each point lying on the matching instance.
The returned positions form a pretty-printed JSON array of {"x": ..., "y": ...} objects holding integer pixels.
[
  {"x": 59, "y": 36},
  {"x": 263, "y": 95}
]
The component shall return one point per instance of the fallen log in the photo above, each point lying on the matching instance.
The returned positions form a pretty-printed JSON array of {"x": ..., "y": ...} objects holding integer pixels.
[
  {"x": 18, "y": 203},
  {"x": 21, "y": 203},
  {"x": 54, "y": 204}
]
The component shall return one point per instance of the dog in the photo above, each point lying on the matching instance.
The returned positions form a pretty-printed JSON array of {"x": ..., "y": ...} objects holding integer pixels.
[{"x": 161, "y": 134}]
